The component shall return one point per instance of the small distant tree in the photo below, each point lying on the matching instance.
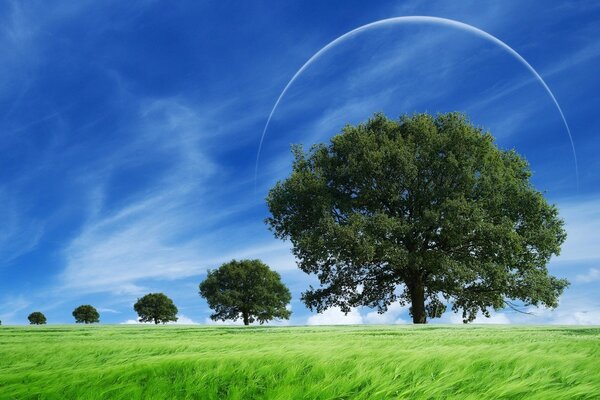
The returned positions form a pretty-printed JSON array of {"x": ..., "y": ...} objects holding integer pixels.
[
  {"x": 156, "y": 307},
  {"x": 86, "y": 314},
  {"x": 246, "y": 289},
  {"x": 37, "y": 318}
]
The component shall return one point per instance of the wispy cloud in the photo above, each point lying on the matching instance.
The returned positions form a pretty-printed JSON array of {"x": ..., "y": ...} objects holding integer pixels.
[
  {"x": 396, "y": 314},
  {"x": 335, "y": 316},
  {"x": 573, "y": 310},
  {"x": 146, "y": 237},
  {"x": 593, "y": 275},
  {"x": 162, "y": 231},
  {"x": 11, "y": 307},
  {"x": 135, "y": 244},
  {"x": 108, "y": 310},
  {"x": 19, "y": 234}
]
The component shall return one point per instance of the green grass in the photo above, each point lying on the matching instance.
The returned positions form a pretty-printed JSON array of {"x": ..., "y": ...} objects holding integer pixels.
[{"x": 168, "y": 362}]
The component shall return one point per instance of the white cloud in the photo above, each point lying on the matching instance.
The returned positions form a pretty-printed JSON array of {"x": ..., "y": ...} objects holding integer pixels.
[
  {"x": 577, "y": 318},
  {"x": 593, "y": 275},
  {"x": 108, "y": 310},
  {"x": 143, "y": 241},
  {"x": 572, "y": 310},
  {"x": 392, "y": 316},
  {"x": 335, "y": 316},
  {"x": 115, "y": 252},
  {"x": 133, "y": 322},
  {"x": 183, "y": 320},
  {"x": 575, "y": 308}
]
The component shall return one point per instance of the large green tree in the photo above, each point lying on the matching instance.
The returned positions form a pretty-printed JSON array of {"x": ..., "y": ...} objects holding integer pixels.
[
  {"x": 246, "y": 289},
  {"x": 86, "y": 314},
  {"x": 425, "y": 210},
  {"x": 156, "y": 307}
]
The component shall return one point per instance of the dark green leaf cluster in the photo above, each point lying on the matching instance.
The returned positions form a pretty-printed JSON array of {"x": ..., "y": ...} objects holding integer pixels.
[
  {"x": 86, "y": 314},
  {"x": 37, "y": 318},
  {"x": 425, "y": 210},
  {"x": 246, "y": 289},
  {"x": 156, "y": 307}
]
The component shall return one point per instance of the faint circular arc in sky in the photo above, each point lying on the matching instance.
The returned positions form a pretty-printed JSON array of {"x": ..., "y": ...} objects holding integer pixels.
[{"x": 419, "y": 19}]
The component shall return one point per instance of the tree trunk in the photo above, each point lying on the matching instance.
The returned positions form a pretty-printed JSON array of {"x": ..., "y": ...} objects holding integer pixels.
[
  {"x": 246, "y": 318},
  {"x": 417, "y": 297}
]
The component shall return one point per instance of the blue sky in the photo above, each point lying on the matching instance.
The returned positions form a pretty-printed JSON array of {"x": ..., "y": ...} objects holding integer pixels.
[{"x": 129, "y": 134}]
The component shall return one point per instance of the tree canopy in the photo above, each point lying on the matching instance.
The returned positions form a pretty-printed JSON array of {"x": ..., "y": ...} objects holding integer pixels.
[
  {"x": 246, "y": 289},
  {"x": 37, "y": 318},
  {"x": 425, "y": 210},
  {"x": 156, "y": 307},
  {"x": 86, "y": 314}
]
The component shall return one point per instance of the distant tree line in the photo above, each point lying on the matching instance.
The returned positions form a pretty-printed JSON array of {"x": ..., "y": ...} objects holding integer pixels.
[{"x": 246, "y": 289}]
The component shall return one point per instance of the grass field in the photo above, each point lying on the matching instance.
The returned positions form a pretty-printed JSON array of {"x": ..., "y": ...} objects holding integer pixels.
[{"x": 360, "y": 362}]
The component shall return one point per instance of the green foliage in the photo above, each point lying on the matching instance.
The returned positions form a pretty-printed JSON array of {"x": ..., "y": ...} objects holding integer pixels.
[
  {"x": 424, "y": 211},
  {"x": 156, "y": 307},
  {"x": 245, "y": 289},
  {"x": 317, "y": 363},
  {"x": 36, "y": 318},
  {"x": 86, "y": 314}
]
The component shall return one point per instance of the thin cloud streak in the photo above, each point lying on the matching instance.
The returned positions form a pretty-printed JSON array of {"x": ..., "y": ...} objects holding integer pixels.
[{"x": 593, "y": 275}]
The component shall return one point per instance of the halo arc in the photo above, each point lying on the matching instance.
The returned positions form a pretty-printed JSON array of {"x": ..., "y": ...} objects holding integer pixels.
[{"x": 418, "y": 19}]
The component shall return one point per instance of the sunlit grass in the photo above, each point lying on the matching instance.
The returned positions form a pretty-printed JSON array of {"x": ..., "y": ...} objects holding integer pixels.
[{"x": 362, "y": 362}]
